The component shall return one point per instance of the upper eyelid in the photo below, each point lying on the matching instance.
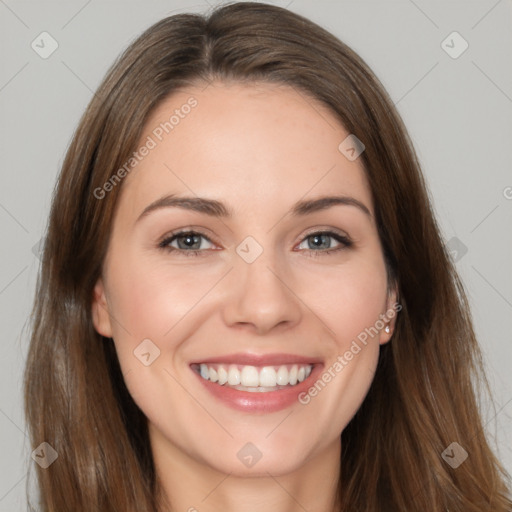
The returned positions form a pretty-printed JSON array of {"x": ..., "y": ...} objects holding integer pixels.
[
  {"x": 186, "y": 231},
  {"x": 336, "y": 231}
]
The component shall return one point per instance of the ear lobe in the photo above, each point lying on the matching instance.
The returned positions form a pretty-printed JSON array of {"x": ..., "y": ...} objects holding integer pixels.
[
  {"x": 389, "y": 317},
  {"x": 100, "y": 311}
]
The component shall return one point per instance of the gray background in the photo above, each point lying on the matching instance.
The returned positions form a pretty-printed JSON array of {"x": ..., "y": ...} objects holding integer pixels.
[{"x": 458, "y": 112}]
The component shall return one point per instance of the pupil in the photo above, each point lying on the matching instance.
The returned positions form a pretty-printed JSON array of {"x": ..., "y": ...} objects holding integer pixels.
[
  {"x": 318, "y": 238},
  {"x": 189, "y": 240}
]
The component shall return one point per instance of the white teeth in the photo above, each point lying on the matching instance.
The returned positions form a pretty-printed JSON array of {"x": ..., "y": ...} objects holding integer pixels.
[
  {"x": 268, "y": 376},
  {"x": 233, "y": 375},
  {"x": 282, "y": 376},
  {"x": 293, "y": 375},
  {"x": 249, "y": 376},
  {"x": 214, "y": 377},
  {"x": 256, "y": 378},
  {"x": 223, "y": 375}
]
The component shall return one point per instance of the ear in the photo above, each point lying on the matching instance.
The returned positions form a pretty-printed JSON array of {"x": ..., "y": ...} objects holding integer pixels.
[
  {"x": 389, "y": 316},
  {"x": 100, "y": 311}
]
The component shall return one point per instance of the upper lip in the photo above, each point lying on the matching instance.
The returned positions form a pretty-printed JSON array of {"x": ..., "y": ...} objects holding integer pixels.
[{"x": 259, "y": 359}]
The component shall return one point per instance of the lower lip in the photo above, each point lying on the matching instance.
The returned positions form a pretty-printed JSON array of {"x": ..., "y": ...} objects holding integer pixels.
[{"x": 266, "y": 401}]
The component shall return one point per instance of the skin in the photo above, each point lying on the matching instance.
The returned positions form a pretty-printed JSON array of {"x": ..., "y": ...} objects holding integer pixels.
[{"x": 258, "y": 149}]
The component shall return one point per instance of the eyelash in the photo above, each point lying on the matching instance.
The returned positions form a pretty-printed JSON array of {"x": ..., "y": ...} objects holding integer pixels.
[{"x": 344, "y": 240}]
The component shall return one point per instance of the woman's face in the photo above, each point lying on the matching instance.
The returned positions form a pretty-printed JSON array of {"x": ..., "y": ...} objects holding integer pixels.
[{"x": 271, "y": 288}]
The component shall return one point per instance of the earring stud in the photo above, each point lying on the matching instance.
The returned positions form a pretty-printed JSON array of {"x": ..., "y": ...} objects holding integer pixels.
[{"x": 387, "y": 329}]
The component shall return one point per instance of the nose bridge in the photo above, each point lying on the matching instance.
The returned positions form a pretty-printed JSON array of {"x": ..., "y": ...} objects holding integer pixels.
[{"x": 260, "y": 295}]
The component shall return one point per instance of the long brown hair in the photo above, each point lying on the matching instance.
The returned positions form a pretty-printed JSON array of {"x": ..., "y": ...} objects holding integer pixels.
[{"x": 425, "y": 392}]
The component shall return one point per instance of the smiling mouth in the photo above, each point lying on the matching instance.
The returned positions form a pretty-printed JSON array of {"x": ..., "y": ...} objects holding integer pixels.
[{"x": 254, "y": 378}]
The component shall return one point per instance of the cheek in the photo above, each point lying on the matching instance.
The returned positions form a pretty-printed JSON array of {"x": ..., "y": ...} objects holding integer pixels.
[
  {"x": 350, "y": 304},
  {"x": 348, "y": 299},
  {"x": 150, "y": 298}
]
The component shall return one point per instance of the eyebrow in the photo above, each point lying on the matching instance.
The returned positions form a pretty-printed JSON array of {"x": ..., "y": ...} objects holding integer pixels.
[{"x": 215, "y": 208}]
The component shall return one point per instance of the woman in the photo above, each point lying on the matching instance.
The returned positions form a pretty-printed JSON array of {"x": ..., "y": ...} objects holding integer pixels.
[{"x": 245, "y": 301}]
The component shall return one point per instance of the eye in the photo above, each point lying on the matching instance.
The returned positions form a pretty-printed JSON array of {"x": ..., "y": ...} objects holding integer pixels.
[
  {"x": 323, "y": 240},
  {"x": 189, "y": 243}
]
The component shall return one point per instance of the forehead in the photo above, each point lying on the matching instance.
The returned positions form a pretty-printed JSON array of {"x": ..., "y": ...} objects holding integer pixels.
[{"x": 250, "y": 144}]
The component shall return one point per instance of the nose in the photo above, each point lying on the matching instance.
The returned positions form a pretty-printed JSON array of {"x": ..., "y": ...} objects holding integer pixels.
[{"x": 261, "y": 297}]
